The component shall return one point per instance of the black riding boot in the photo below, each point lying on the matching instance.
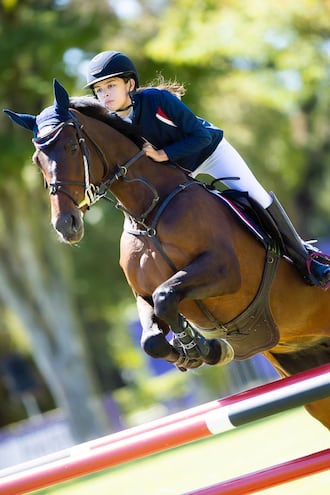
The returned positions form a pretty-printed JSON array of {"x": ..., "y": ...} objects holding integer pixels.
[{"x": 313, "y": 270}]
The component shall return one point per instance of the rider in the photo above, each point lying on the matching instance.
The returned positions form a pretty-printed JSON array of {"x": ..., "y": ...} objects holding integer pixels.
[{"x": 173, "y": 133}]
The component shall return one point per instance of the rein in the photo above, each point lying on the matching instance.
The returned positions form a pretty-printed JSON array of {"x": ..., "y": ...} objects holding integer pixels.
[{"x": 93, "y": 193}]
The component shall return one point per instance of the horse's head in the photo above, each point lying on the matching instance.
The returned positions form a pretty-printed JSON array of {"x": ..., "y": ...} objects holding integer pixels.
[
  {"x": 83, "y": 152},
  {"x": 63, "y": 158}
]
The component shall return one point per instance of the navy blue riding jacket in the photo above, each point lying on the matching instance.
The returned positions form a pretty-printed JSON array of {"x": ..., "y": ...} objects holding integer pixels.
[{"x": 169, "y": 124}]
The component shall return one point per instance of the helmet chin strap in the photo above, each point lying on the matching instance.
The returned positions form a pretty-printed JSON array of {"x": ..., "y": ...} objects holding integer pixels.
[{"x": 124, "y": 109}]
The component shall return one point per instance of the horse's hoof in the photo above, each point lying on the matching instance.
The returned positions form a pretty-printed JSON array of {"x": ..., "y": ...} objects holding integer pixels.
[
  {"x": 227, "y": 352},
  {"x": 186, "y": 364}
]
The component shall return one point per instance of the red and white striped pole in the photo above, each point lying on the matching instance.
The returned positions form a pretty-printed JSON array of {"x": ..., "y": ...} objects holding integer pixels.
[
  {"x": 271, "y": 476},
  {"x": 172, "y": 431}
]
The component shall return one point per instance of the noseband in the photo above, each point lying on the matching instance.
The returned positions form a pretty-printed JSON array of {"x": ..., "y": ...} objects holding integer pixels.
[{"x": 93, "y": 193}]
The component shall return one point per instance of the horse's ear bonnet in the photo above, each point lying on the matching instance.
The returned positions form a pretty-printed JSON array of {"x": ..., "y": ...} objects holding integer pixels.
[
  {"x": 23, "y": 119},
  {"x": 61, "y": 101},
  {"x": 49, "y": 118}
]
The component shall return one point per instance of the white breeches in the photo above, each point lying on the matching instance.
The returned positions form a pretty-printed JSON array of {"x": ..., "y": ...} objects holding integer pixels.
[{"x": 225, "y": 161}]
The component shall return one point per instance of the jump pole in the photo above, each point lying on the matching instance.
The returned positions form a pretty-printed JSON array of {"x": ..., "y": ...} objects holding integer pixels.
[
  {"x": 271, "y": 476},
  {"x": 178, "y": 429}
]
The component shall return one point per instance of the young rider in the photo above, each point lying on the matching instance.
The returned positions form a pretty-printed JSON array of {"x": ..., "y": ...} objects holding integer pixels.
[{"x": 175, "y": 134}]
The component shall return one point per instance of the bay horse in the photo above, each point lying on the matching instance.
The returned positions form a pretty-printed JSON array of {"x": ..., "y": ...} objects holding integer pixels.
[{"x": 195, "y": 269}]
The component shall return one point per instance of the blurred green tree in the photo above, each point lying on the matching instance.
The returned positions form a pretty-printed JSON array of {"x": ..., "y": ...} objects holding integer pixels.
[
  {"x": 262, "y": 73},
  {"x": 35, "y": 271}
]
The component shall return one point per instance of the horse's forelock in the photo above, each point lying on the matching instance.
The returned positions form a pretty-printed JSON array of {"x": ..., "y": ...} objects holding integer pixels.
[{"x": 88, "y": 105}]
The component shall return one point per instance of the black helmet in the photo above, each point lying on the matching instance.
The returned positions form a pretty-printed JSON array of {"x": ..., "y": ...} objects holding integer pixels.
[{"x": 110, "y": 64}]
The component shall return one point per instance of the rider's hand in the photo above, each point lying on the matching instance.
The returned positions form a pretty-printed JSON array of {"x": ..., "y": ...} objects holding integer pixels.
[{"x": 156, "y": 155}]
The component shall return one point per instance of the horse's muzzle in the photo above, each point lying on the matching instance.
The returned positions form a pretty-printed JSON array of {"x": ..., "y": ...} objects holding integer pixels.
[{"x": 69, "y": 226}]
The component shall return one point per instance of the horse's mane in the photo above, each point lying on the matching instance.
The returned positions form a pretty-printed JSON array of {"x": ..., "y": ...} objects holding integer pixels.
[{"x": 91, "y": 107}]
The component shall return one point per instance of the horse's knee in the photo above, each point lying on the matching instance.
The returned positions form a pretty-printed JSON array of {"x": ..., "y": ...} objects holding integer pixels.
[
  {"x": 165, "y": 303},
  {"x": 155, "y": 345}
]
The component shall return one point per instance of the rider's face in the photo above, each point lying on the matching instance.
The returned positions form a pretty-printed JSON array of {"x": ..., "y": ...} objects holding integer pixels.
[{"x": 113, "y": 93}]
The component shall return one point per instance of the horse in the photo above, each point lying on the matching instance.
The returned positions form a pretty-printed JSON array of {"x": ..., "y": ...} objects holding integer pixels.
[{"x": 197, "y": 272}]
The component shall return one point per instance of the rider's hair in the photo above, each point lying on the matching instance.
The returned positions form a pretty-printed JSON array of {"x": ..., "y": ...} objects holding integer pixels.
[{"x": 173, "y": 86}]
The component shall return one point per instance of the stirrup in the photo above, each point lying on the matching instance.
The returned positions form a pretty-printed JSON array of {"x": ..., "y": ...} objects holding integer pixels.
[
  {"x": 315, "y": 251},
  {"x": 324, "y": 261}
]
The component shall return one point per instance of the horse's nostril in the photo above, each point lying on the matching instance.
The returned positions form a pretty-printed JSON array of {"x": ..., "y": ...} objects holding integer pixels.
[
  {"x": 74, "y": 223},
  {"x": 70, "y": 226}
]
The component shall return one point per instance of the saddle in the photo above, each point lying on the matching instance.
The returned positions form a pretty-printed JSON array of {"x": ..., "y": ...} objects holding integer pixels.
[{"x": 253, "y": 216}]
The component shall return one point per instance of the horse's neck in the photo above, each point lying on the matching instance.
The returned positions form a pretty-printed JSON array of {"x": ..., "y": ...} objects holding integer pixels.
[
  {"x": 164, "y": 176},
  {"x": 146, "y": 186}
]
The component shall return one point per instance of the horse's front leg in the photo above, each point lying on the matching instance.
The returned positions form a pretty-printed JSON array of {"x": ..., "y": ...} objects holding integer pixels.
[
  {"x": 154, "y": 342},
  {"x": 154, "y": 330},
  {"x": 204, "y": 277}
]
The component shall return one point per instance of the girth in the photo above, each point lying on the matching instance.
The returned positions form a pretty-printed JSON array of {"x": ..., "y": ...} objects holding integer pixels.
[{"x": 253, "y": 330}]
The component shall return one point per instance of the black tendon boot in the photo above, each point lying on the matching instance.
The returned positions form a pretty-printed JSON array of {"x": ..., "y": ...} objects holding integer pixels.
[{"x": 309, "y": 262}]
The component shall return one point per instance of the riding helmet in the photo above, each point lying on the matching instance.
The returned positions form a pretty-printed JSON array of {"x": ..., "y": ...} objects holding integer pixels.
[{"x": 110, "y": 64}]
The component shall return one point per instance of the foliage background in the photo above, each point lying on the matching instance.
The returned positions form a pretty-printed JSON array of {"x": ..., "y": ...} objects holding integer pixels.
[{"x": 261, "y": 73}]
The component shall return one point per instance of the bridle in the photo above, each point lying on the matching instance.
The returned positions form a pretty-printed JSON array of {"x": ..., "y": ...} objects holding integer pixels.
[{"x": 92, "y": 192}]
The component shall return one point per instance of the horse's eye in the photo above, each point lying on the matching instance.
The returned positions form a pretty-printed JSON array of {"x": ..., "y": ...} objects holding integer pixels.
[{"x": 72, "y": 146}]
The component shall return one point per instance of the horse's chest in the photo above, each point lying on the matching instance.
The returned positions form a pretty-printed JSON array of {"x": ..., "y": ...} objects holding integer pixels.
[{"x": 143, "y": 266}]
